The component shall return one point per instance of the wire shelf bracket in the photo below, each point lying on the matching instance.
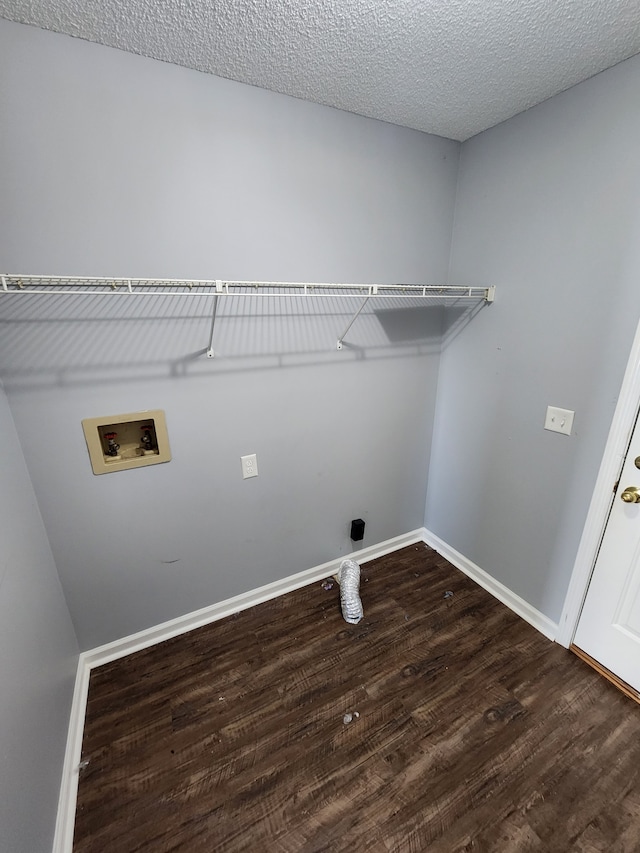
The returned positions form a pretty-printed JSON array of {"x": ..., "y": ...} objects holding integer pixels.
[{"x": 353, "y": 319}]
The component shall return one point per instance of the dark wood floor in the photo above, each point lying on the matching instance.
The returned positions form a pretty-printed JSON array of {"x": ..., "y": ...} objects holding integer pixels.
[{"x": 475, "y": 732}]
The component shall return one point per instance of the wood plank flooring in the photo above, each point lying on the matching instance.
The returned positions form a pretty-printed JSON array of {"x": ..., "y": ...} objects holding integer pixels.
[{"x": 475, "y": 733}]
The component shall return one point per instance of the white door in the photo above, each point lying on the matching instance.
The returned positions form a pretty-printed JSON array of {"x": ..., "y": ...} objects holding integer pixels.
[{"x": 609, "y": 626}]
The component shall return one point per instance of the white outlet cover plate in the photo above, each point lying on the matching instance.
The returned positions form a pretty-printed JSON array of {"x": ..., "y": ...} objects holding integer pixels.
[
  {"x": 559, "y": 420},
  {"x": 249, "y": 466}
]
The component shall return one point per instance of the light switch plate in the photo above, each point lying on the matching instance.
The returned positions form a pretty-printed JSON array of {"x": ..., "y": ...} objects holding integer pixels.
[{"x": 559, "y": 420}]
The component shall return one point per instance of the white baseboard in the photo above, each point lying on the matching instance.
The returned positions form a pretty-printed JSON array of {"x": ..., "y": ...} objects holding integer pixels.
[
  {"x": 63, "y": 841},
  {"x": 174, "y": 627},
  {"x": 534, "y": 617}
]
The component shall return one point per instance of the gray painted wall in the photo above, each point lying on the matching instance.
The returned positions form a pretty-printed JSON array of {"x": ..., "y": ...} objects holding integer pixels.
[
  {"x": 114, "y": 164},
  {"x": 38, "y": 657},
  {"x": 548, "y": 209}
]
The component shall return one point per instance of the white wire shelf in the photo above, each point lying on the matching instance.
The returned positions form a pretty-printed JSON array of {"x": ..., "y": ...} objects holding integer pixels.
[
  {"x": 30, "y": 284},
  {"x": 13, "y": 284}
]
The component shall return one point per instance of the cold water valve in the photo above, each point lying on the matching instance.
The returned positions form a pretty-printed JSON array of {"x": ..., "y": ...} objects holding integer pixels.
[{"x": 146, "y": 440}]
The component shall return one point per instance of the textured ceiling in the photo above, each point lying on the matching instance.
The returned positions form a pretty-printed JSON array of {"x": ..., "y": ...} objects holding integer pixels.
[{"x": 449, "y": 67}]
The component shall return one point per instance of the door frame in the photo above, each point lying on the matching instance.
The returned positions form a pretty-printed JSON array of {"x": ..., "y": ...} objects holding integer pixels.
[{"x": 615, "y": 451}]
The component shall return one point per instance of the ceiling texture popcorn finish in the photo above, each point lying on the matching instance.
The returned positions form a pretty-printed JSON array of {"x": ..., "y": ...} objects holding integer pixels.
[{"x": 447, "y": 67}]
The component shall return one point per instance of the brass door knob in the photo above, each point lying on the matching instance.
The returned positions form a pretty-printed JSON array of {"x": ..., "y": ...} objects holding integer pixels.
[{"x": 631, "y": 495}]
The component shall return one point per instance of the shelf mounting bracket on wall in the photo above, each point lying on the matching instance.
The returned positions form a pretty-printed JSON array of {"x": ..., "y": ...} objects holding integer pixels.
[
  {"x": 353, "y": 319},
  {"x": 210, "y": 352}
]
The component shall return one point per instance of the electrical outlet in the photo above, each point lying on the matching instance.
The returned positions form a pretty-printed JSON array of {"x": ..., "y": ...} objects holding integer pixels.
[
  {"x": 249, "y": 466},
  {"x": 559, "y": 420}
]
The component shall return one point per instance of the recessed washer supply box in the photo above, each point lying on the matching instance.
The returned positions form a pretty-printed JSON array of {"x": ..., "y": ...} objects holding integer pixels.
[{"x": 117, "y": 442}]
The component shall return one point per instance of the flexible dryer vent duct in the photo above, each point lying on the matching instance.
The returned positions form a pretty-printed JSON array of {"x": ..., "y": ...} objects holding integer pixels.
[{"x": 349, "y": 580}]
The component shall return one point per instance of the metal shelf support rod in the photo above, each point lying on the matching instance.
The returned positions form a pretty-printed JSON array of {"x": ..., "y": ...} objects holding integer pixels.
[
  {"x": 210, "y": 352},
  {"x": 353, "y": 319}
]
